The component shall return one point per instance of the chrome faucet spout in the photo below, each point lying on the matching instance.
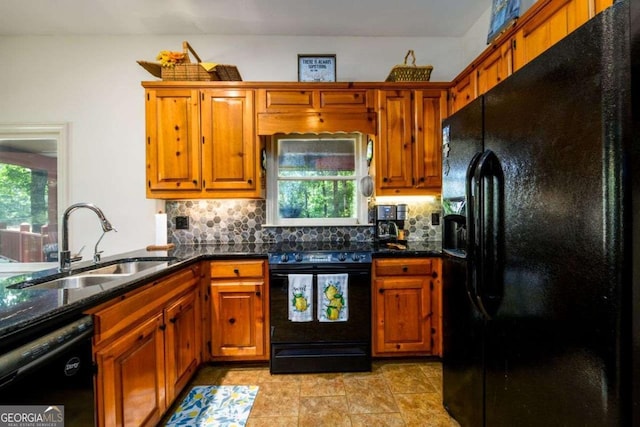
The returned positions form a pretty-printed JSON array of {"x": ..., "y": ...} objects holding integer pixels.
[{"x": 65, "y": 253}]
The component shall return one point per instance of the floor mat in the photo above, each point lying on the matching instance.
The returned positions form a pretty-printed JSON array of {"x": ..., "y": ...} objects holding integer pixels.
[{"x": 219, "y": 406}]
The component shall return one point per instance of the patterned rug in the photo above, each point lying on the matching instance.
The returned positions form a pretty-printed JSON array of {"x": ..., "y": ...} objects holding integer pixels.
[{"x": 219, "y": 406}]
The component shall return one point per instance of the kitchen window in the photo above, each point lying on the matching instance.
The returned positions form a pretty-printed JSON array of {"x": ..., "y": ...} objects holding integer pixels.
[{"x": 313, "y": 180}]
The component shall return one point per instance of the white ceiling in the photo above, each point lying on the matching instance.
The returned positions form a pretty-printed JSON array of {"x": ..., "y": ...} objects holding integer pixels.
[{"x": 386, "y": 18}]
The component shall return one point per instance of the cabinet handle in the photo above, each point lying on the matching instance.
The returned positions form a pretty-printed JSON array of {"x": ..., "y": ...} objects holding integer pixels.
[
  {"x": 405, "y": 268},
  {"x": 258, "y": 293},
  {"x": 434, "y": 274},
  {"x": 195, "y": 182},
  {"x": 232, "y": 320},
  {"x": 236, "y": 271},
  {"x": 385, "y": 179},
  {"x": 250, "y": 181},
  {"x": 173, "y": 320},
  {"x": 162, "y": 328},
  {"x": 381, "y": 291}
]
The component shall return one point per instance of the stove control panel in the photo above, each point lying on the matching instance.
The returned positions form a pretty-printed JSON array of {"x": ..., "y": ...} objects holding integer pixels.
[{"x": 319, "y": 257}]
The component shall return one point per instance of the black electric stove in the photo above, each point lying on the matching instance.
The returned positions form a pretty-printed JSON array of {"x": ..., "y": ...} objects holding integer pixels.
[{"x": 320, "y": 307}]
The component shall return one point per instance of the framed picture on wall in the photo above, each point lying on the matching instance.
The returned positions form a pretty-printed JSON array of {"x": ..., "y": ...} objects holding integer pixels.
[
  {"x": 316, "y": 68},
  {"x": 503, "y": 14}
]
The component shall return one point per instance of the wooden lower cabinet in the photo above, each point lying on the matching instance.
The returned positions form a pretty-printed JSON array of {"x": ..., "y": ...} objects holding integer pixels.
[
  {"x": 183, "y": 335},
  {"x": 406, "y": 306},
  {"x": 131, "y": 377},
  {"x": 147, "y": 346},
  {"x": 239, "y": 307}
]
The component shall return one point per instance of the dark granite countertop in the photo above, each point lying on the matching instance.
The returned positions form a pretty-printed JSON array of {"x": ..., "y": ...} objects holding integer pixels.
[{"x": 30, "y": 310}]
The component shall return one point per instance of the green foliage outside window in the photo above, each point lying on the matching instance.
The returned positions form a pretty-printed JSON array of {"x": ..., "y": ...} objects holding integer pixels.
[{"x": 15, "y": 191}]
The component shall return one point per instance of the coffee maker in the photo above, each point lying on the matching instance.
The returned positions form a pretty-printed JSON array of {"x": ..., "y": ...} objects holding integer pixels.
[{"x": 389, "y": 221}]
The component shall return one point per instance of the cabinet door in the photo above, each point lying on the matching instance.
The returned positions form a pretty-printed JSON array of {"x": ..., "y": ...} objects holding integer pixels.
[
  {"x": 130, "y": 381},
  {"x": 463, "y": 92},
  {"x": 495, "y": 68},
  {"x": 430, "y": 109},
  {"x": 555, "y": 21},
  {"x": 237, "y": 319},
  {"x": 173, "y": 148},
  {"x": 403, "y": 315},
  {"x": 393, "y": 156},
  {"x": 183, "y": 337},
  {"x": 229, "y": 141},
  {"x": 599, "y": 5}
]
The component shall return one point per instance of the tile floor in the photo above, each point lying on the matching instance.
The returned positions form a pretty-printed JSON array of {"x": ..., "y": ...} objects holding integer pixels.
[{"x": 395, "y": 393}]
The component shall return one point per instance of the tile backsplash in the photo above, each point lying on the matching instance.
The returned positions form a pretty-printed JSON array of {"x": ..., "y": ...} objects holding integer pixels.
[{"x": 242, "y": 221}]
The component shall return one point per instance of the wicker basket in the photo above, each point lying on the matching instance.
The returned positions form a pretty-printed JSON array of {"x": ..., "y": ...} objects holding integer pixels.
[
  {"x": 188, "y": 71},
  {"x": 410, "y": 73}
]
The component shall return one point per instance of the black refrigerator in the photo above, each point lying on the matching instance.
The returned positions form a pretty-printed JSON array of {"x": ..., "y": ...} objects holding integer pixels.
[{"x": 541, "y": 239}]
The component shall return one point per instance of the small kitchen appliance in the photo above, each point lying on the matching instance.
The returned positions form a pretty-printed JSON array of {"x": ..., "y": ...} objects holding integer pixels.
[{"x": 389, "y": 221}]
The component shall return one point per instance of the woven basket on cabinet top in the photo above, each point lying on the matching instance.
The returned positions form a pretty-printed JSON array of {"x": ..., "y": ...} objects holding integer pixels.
[
  {"x": 410, "y": 73},
  {"x": 188, "y": 71}
]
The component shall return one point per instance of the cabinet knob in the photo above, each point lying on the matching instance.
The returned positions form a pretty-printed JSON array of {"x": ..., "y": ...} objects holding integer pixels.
[
  {"x": 434, "y": 274},
  {"x": 250, "y": 181},
  {"x": 195, "y": 182},
  {"x": 236, "y": 271},
  {"x": 385, "y": 179},
  {"x": 381, "y": 291},
  {"x": 173, "y": 320},
  {"x": 232, "y": 320},
  {"x": 258, "y": 293},
  {"x": 405, "y": 268}
]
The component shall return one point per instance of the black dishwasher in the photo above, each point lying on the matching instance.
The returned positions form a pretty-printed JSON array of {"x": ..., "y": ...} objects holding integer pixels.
[{"x": 52, "y": 374}]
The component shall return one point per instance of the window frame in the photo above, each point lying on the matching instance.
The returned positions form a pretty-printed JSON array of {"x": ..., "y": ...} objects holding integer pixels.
[{"x": 360, "y": 169}]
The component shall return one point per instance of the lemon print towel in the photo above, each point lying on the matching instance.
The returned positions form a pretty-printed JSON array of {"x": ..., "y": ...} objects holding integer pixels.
[
  {"x": 300, "y": 297},
  {"x": 333, "y": 297}
]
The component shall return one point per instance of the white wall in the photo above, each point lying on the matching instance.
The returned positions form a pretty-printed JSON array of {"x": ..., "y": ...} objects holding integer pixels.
[{"x": 93, "y": 83}]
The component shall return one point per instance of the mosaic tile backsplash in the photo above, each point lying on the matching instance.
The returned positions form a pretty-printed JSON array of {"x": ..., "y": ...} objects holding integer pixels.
[{"x": 242, "y": 221}]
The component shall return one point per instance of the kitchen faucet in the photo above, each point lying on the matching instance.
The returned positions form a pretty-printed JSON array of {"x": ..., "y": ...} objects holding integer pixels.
[{"x": 65, "y": 254}]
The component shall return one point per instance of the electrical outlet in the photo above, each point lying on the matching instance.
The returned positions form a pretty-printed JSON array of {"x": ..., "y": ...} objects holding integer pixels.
[
  {"x": 435, "y": 218},
  {"x": 182, "y": 223}
]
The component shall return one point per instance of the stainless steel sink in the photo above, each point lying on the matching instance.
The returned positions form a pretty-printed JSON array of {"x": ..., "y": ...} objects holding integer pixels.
[
  {"x": 76, "y": 282},
  {"x": 126, "y": 268},
  {"x": 98, "y": 275}
]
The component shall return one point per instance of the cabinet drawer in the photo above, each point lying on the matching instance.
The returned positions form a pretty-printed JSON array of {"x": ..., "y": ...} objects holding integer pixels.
[
  {"x": 315, "y": 100},
  {"x": 403, "y": 267},
  {"x": 287, "y": 99},
  {"x": 235, "y": 269},
  {"x": 352, "y": 99}
]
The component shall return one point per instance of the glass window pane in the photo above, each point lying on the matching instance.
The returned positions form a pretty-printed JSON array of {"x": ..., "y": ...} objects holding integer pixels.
[
  {"x": 316, "y": 158},
  {"x": 317, "y": 199}
]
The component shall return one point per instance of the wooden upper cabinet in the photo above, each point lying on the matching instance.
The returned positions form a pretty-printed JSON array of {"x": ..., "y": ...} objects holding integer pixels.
[
  {"x": 306, "y": 109},
  {"x": 229, "y": 146},
  {"x": 549, "y": 25},
  {"x": 173, "y": 149},
  {"x": 430, "y": 108},
  {"x": 394, "y": 148},
  {"x": 495, "y": 67},
  {"x": 463, "y": 91},
  {"x": 408, "y": 147},
  {"x": 202, "y": 143}
]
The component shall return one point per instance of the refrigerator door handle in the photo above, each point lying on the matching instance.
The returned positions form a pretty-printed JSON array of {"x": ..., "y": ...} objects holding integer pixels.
[
  {"x": 472, "y": 243},
  {"x": 489, "y": 217}
]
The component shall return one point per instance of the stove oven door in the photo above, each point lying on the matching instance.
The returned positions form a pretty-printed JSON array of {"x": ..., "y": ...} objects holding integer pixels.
[{"x": 311, "y": 345}]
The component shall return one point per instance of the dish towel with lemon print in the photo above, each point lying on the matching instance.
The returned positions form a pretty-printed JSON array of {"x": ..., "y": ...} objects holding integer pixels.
[
  {"x": 300, "y": 297},
  {"x": 333, "y": 297}
]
